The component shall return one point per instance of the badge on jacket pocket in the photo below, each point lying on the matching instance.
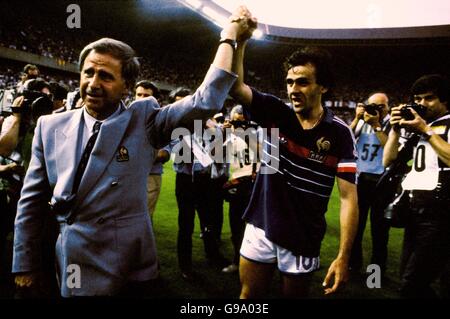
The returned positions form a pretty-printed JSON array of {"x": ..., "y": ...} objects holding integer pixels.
[{"x": 123, "y": 154}]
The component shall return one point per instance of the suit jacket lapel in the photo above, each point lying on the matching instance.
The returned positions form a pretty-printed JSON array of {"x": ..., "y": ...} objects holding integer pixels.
[
  {"x": 108, "y": 140},
  {"x": 66, "y": 144}
]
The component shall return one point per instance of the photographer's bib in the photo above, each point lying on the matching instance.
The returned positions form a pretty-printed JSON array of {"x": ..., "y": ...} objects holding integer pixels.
[
  {"x": 424, "y": 174},
  {"x": 370, "y": 154}
]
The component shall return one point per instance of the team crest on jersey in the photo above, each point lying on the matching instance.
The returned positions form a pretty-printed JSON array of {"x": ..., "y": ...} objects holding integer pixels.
[{"x": 323, "y": 146}]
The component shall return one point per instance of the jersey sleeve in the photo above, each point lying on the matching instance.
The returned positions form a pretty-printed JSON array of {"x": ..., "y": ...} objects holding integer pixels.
[{"x": 346, "y": 168}]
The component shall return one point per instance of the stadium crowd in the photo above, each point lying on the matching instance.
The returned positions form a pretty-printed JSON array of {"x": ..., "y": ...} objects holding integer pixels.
[{"x": 174, "y": 69}]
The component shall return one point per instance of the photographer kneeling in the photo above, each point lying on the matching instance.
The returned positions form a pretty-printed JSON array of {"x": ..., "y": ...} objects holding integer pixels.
[{"x": 426, "y": 247}]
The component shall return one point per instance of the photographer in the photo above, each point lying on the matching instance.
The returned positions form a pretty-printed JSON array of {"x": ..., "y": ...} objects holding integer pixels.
[
  {"x": 426, "y": 247},
  {"x": 15, "y": 140},
  {"x": 59, "y": 92},
  {"x": 371, "y": 126},
  {"x": 19, "y": 127},
  {"x": 144, "y": 89},
  {"x": 30, "y": 71},
  {"x": 196, "y": 191},
  {"x": 242, "y": 154}
]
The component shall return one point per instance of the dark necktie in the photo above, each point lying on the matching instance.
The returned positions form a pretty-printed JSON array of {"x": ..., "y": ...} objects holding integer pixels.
[{"x": 85, "y": 157}]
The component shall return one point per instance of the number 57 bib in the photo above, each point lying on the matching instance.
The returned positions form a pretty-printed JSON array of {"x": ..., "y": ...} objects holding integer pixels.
[{"x": 370, "y": 154}]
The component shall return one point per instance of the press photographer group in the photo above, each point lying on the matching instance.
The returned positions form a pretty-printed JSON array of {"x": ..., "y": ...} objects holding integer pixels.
[{"x": 210, "y": 145}]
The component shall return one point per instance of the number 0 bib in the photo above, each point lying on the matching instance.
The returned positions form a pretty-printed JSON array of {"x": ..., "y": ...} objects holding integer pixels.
[{"x": 424, "y": 174}]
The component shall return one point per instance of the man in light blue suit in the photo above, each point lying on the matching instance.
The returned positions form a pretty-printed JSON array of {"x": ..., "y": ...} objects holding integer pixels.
[{"x": 106, "y": 242}]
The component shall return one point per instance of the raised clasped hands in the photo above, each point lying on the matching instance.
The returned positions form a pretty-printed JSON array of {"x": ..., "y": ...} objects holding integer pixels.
[{"x": 242, "y": 23}]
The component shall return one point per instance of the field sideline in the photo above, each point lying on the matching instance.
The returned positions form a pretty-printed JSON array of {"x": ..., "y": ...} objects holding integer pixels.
[{"x": 214, "y": 284}]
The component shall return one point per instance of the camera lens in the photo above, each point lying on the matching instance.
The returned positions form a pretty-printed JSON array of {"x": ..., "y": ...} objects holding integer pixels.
[
  {"x": 371, "y": 109},
  {"x": 406, "y": 113}
]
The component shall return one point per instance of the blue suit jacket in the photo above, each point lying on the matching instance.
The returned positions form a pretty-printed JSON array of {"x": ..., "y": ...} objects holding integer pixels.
[{"x": 111, "y": 237}]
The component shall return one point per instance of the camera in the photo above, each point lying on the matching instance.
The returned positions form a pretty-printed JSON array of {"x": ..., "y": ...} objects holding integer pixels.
[
  {"x": 373, "y": 108},
  {"x": 243, "y": 124},
  {"x": 219, "y": 118},
  {"x": 35, "y": 103},
  {"x": 405, "y": 112}
]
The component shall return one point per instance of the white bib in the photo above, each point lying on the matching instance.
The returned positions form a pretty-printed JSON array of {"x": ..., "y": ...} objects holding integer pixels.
[{"x": 424, "y": 174}]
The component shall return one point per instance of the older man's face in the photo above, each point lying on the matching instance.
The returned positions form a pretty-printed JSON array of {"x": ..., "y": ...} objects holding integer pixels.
[{"x": 101, "y": 84}]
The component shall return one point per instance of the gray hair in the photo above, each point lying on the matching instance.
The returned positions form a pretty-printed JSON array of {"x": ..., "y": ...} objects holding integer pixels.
[
  {"x": 120, "y": 51},
  {"x": 237, "y": 109}
]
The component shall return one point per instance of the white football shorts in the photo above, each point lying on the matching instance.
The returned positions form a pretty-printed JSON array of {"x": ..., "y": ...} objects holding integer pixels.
[{"x": 256, "y": 247}]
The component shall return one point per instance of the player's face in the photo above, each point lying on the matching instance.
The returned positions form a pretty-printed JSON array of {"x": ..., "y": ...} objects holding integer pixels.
[{"x": 303, "y": 91}]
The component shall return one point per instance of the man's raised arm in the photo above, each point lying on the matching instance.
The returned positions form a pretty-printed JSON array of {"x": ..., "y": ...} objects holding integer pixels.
[
  {"x": 241, "y": 91},
  {"x": 209, "y": 98}
]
